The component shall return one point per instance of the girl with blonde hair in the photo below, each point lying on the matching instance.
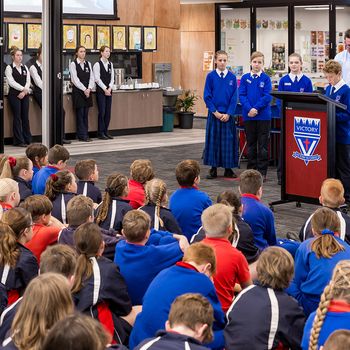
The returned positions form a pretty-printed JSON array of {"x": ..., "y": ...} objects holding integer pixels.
[{"x": 9, "y": 194}]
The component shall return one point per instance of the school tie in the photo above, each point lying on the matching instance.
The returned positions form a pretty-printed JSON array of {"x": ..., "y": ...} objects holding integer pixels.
[
  {"x": 255, "y": 76},
  {"x": 295, "y": 80},
  {"x": 332, "y": 90},
  {"x": 222, "y": 75}
]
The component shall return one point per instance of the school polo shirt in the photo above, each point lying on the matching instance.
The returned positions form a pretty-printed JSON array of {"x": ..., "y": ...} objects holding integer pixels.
[
  {"x": 136, "y": 196},
  {"x": 231, "y": 268}
]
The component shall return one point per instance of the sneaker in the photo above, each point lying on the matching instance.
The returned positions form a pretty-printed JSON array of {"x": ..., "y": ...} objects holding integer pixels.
[
  {"x": 230, "y": 173},
  {"x": 213, "y": 174}
]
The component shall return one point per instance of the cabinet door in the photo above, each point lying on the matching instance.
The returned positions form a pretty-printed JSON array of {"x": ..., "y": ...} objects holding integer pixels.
[{"x": 153, "y": 110}]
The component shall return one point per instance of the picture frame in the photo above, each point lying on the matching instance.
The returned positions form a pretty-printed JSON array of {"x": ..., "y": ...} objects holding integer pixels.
[
  {"x": 33, "y": 36},
  {"x": 119, "y": 42},
  {"x": 15, "y": 35},
  {"x": 87, "y": 36},
  {"x": 135, "y": 38},
  {"x": 103, "y": 36},
  {"x": 70, "y": 37},
  {"x": 149, "y": 38}
]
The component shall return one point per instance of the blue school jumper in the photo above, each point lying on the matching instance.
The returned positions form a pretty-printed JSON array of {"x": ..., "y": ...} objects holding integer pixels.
[
  {"x": 260, "y": 218},
  {"x": 39, "y": 179},
  {"x": 187, "y": 204},
  {"x": 59, "y": 210},
  {"x": 312, "y": 274},
  {"x": 276, "y": 320},
  {"x": 24, "y": 187},
  {"x": 165, "y": 288},
  {"x": 88, "y": 189},
  {"x": 7, "y": 318},
  {"x": 140, "y": 264},
  {"x": 104, "y": 296},
  {"x": 35, "y": 170},
  {"x": 220, "y": 94}
]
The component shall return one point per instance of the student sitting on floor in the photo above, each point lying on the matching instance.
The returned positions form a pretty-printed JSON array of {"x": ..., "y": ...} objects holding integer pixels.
[
  {"x": 275, "y": 321},
  {"x": 139, "y": 263},
  {"x": 316, "y": 258},
  {"x": 332, "y": 197},
  {"x": 156, "y": 201},
  {"x": 38, "y": 154},
  {"x": 338, "y": 340},
  {"x": 87, "y": 172},
  {"x": 9, "y": 194},
  {"x": 189, "y": 325}
]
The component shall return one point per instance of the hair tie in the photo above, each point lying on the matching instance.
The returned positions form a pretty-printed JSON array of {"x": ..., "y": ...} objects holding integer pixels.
[
  {"x": 54, "y": 177},
  {"x": 327, "y": 232},
  {"x": 12, "y": 161},
  {"x": 108, "y": 190}
]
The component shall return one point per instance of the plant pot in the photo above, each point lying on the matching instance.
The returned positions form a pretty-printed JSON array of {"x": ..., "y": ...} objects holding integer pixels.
[{"x": 186, "y": 120}]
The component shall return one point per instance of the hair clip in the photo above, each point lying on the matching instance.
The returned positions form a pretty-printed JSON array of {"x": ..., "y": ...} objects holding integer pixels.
[
  {"x": 327, "y": 232},
  {"x": 54, "y": 177},
  {"x": 12, "y": 161}
]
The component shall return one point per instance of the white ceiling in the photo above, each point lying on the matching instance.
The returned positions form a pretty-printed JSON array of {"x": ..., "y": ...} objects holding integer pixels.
[{"x": 206, "y": 1}]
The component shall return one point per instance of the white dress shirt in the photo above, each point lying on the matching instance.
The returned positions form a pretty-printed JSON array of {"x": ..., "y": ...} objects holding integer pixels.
[
  {"x": 292, "y": 76},
  {"x": 74, "y": 76},
  {"x": 35, "y": 75},
  {"x": 12, "y": 82},
  {"x": 220, "y": 71},
  {"x": 344, "y": 59},
  {"x": 97, "y": 74}
]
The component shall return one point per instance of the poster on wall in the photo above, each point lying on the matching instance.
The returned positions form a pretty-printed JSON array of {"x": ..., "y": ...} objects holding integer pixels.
[
  {"x": 119, "y": 38},
  {"x": 70, "y": 36},
  {"x": 135, "y": 38},
  {"x": 278, "y": 56},
  {"x": 208, "y": 60},
  {"x": 87, "y": 36},
  {"x": 150, "y": 38},
  {"x": 103, "y": 36},
  {"x": 15, "y": 35},
  {"x": 33, "y": 36}
]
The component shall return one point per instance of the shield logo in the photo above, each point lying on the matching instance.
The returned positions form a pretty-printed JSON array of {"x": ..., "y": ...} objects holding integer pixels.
[{"x": 307, "y": 135}]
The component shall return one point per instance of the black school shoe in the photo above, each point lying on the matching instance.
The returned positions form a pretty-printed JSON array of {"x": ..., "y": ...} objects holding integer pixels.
[
  {"x": 103, "y": 137},
  {"x": 66, "y": 142},
  {"x": 213, "y": 174},
  {"x": 85, "y": 140},
  {"x": 109, "y": 136},
  {"x": 230, "y": 174}
]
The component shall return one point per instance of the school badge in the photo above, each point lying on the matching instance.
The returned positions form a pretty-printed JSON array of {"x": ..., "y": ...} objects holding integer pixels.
[{"x": 307, "y": 135}]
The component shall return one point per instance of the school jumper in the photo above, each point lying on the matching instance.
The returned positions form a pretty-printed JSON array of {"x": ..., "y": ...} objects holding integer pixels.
[
  {"x": 17, "y": 278},
  {"x": 262, "y": 318},
  {"x": 36, "y": 74},
  {"x": 59, "y": 210},
  {"x": 24, "y": 187},
  {"x": 104, "y": 77},
  {"x": 254, "y": 92},
  {"x": 88, "y": 189},
  {"x": 312, "y": 274},
  {"x": 260, "y": 218},
  {"x": 19, "y": 80},
  {"x": 7, "y": 317},
  {"x": 337, "y": 317},
  {"x": 344, "y": 234},
  {"x": 187, "y": 204},
  {"x": 169, "y": 222},
  {"x": 3, "y": 298},
  {"x": 171, "y": 341},
  {"x": 220, "y": 94},
  {"x": 140, "y": 264},
  {"x": 136, "y": 195},
  {"x": 39, "y": 179},
  {"x": 82, "y": 79},
  {"x": 341, "y": 93},
  {"x": 35, "y": 170},
  {"x": 104, "y": 297},
  {"x": 165, "y": 288}
]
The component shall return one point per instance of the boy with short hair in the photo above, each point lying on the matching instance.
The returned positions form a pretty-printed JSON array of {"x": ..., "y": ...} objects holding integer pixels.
[
  {"x": 188, "y": 202},
  {"x": 189, "y": 325},
  {"x": 133, "y": 254},
  {"x": 340, "y": 92},
  {"x": 254, "y": 95},
  {"x": 338, "y": 340},
  {"x": 255, "y": 213},
  {"x": 87, "y": 172},
  {"x": 232, "y": 267},
  {"x": 57, "y": 157}
]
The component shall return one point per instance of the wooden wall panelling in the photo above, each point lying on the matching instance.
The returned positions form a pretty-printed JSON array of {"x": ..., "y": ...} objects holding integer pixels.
[
  {"x": 198, "y": 18},
  {"x": 167, "y": 13}
]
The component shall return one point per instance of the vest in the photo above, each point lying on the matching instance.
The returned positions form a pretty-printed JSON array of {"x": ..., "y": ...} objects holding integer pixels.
[
  {"x": 40, "y": 73},
  {"x": 21, "y": 79},
  {"x": 78, "y": 96},
  {"x": 104, "y": 75}
]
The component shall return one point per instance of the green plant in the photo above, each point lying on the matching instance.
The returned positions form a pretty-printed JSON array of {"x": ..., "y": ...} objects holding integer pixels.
[
  {"x": 270, "y": 72},
  {"x": 186, "y": 101}
]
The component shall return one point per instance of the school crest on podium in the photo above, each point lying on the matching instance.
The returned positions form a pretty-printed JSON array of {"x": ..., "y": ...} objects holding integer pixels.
[{"x": 307, "y": 135}]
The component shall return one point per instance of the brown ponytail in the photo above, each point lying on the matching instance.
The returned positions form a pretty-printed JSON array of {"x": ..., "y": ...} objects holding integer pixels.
[
  {"x": 9, "y": 251},
  {"x": 18, "y": 219},
  {"x": 57, "y": 183},
  {"x": 12, "y": 166},
  {"x": 230, "y": 198}
]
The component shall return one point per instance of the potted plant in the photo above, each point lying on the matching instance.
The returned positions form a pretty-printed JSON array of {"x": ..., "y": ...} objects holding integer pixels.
[{"x": 185, "y": 104}]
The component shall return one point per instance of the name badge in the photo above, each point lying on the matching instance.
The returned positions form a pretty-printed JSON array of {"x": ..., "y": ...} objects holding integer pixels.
[
  {"x": 231, "y": 82},
  {"x": 262, "y": 84},
  {"x": 249, "y": 81},
  {"x": 287, "y": 84},
  {"x": 24, "y": 72},
  {"x": 338, "y": 98},
  {"x": 301, "y": 89}
]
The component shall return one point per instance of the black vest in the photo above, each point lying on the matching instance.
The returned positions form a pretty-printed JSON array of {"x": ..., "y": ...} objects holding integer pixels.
[
  {"x": 83, "y": 75},
  {"x": 40, "y": 73},
  {"x": 79, "y": 98},
  {"x": 105, "y": 76},
  {"x": 21, "y": 79}
]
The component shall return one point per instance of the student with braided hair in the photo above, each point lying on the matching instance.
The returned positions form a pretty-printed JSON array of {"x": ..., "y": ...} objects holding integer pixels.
[
  {"x": 112, "y": 209},
  {"x": 333, "y": 311},
  {"x": 316, "y": 258},
  {"x": 156, "y": 201}
]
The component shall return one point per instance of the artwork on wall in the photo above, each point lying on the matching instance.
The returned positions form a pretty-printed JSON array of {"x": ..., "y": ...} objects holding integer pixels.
[
  {"x": 103, "y": 36},
  {"x": 70, "y": 36},
  {"x": 33, "y": 36},
  {"x": 119, "y": 38},
  {"x": 87, "y": 36},
  {"x": 135, "y": 38},
  {"x": 149, "y": 38},
  {"x": 278, "y": 57},
  {"x": 15, "y": 33}
]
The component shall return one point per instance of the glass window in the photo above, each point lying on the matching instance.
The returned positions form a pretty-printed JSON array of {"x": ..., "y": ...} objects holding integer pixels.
[
  {"x": 235, "y": 38},
  {"x": 272, "y": 36},
  {"x": 343, "y": 24}
]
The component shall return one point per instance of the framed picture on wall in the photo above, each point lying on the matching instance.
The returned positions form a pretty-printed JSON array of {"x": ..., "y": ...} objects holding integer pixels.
[
  {"x": 33, "y": 36},
  {"x": 15, "y": 35},
  {"x": 149, "y": 38},
  {"x": 103, "y": 36},
  {"x": 70, "y": 36},
  {"x": 87, "y": 36},
  {"x": 119, "y": 38},
  {"x": 135, "y": 38}
]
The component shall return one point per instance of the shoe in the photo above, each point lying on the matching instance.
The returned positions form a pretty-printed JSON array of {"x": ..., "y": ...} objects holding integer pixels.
[
  {"x": 230, "y": 174},
  {"x": 293, "y": 236},
  {"x": 213, "y": 174},
  {"x": 85, "y": 140},
  {"x": 103, "y": 137},
  {"x": 109, "y": 136},
  {"x": 21, "y": 145},
  {"x": 66, "y": 142}
]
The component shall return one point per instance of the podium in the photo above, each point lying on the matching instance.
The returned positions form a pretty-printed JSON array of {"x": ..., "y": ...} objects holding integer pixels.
[{"x": 308, "y": 145}]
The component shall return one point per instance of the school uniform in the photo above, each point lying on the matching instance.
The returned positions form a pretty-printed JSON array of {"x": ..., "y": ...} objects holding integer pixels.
[
  {"x": 88, "y": 189},
  {"x": 344, "y": 59},
  {"x": 262, "y": 318},
  {"x": 82, "y": 78},
  {"x": 104, "y": 297},
  {"x": 24, "y": 187},
  {"x": 165, "y": 288},
  {"x": 169, "y": 222},
  {"x": 254, "y": 92},
  {"x": 7, "y": 317},
  {"x": 3, "y": 298},
  {"x": 59, "y": 210},
  {"x": 337, "y": 317},
  {"x": 116, "y": 211},
  {"x": 171, "y": 341},
  {"x": 260, "y": 218},
  {"x": 136, "y": 195},
  {"x": 18, "y": 79},
  {"x": 104, "y": 77},
  {"x": 17, "y": 278},
  {"x": 36, "y": 74},
  {"x": 8, "y": 344},
  {"x": 220, "y": 94},
  {"x": 341, "y": 93},
  {"x": 39, "y": 179},
  {"x": 312, "y": 274},
  {"x": 187, "y": 204},
  {"x": 35, "y": 169},
  {"x": 140, "y": 264}
]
